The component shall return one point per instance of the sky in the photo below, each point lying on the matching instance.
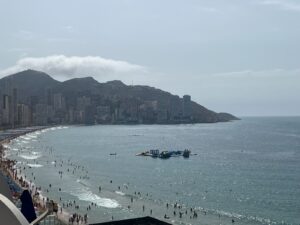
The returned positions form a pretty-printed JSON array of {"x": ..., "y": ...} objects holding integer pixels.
[{"x": 236, "y": 56}]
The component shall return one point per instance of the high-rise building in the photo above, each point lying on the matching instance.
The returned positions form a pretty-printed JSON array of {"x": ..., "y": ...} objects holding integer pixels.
[
  {"x": 40, "y": 116},
  {"x": 23, "y": 115},
  {"x": 5, "y": 110},
  {"x": 14, "y": 107},
  {"x": 187, "y": 106},
  {"x": 49, "y": 97},
  {"x": 59, "y": 102}
]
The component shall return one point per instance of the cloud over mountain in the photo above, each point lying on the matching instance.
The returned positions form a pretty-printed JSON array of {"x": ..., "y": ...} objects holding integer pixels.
[{"x": 63, "y": 67}]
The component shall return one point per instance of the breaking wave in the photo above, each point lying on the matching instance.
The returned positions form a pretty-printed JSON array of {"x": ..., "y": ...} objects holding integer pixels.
[
  {"x": 87, "y": 195},
  {"x": 35, "y": 165},
  {"x": 31, "y": 157},
  {"x": 120, "y": 193}
]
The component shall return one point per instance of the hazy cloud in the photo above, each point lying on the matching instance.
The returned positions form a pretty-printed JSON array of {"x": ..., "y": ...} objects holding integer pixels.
[
  {"x": 283, "y": 4},
  {"x": 68, "y": 28},
  {"x": 259, "y": 73},
  {"x": 59, "y": 39},
  {"x": 63, "y": 67},
  {"x": 19, "y": 49},
  {"x": 208, "y": 9},
  {"x": 25, "y": 35}
]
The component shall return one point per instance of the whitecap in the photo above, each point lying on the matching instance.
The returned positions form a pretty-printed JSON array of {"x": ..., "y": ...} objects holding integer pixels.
[
  {"x": 31, "y": 136},
  {"x": 35, "y": 165},
  {"x": 120, "y": 193},
  {"x": 15, "y": 149},
  {"x": 30, "y": 156},
  {"x": 25, "y": 142},
  {"x": 26, "y": 138},
  {"x": 81, "y": 182}
]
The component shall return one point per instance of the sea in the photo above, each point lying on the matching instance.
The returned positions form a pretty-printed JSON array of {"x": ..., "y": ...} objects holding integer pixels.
[{"x": 240, "y": 172}]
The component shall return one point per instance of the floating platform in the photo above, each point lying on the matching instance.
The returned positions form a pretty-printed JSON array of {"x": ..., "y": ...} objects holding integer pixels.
[{"x": 155, "y": 153}]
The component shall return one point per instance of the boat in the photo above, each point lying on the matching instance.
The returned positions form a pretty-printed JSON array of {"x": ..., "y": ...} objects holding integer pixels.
[{"x": 113, "y": 153}]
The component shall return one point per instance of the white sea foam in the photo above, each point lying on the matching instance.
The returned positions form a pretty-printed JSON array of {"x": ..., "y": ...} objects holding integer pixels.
[
  {"x": 81, "y": 182},
  {"x": 25, "y": 142},
  {"x": 85, "y": 194},
  {"x": 35, "y": 165},
  {"x": 26, "y": 138},
  {"x": 30, "y": 156},
  {"x": 6, "y": 146},
  {"x": 103, "y": 202},
  {"x": 15, "y": 149},
  {"x": 31, "y": 136},
  {"x": 120, "y": 193}
]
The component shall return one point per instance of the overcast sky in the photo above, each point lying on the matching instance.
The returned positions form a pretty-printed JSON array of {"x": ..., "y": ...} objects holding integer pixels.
[{"x": 236, "y": 56}]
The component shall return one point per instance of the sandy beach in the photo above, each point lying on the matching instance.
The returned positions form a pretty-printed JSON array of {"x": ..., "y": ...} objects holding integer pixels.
[{"x": 9, "y": 170}]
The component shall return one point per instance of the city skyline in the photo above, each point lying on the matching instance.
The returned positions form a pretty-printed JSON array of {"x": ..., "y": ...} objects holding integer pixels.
[
  {"x": 238, "y": 57},
  {"x": 33, "y": 98}
]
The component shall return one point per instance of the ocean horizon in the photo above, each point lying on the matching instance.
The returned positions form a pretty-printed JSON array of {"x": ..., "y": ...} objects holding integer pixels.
[{"x": 245, "y": 171}]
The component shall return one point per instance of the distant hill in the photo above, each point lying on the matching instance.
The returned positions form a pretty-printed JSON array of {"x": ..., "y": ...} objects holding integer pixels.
[
  {"x": 142, "y": 104},
  {"x": 28, "y": 83}
]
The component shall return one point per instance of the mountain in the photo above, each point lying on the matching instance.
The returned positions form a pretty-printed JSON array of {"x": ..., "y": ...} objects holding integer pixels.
[
  {"x": 85, "y": 100},
  {"x": 28, "y": 83}
]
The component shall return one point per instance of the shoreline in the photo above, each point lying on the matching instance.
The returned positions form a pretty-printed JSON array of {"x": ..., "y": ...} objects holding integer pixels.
[{"x": 8, "y": 169}]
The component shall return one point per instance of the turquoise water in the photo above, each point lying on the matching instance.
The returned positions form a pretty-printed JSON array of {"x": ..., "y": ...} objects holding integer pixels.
[{"x": 246, "y": 170}]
